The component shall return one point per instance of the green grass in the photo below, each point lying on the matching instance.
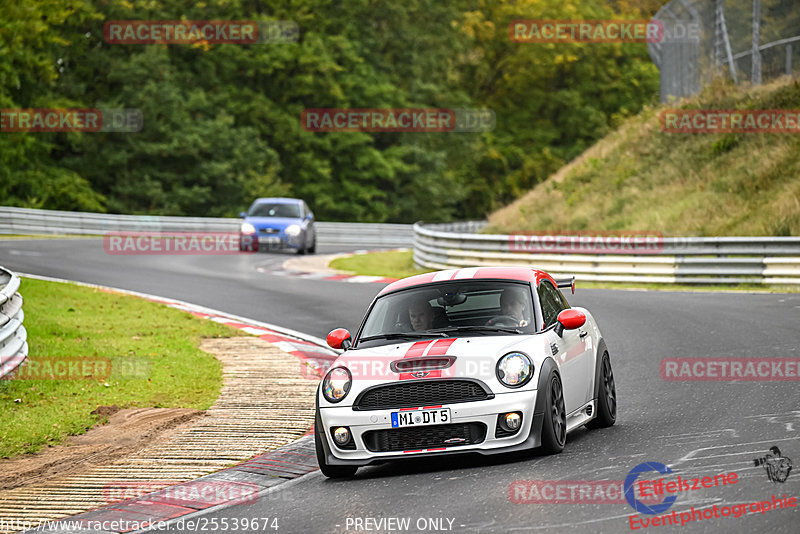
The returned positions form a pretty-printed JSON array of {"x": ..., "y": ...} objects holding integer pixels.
[
  {"x": 67, "y": 321},
  {"x": 640, "y": 178},
  {"x": 399, "y": 264},
  {"x": 391, "y": 264}
]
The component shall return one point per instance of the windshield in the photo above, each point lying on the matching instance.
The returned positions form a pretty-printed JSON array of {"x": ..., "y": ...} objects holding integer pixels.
[
  {"x": 466, "y": 308},
  {"x": 274, "y": 209}
]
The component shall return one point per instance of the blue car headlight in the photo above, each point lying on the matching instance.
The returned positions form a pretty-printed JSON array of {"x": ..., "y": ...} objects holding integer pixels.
[
  {"x": 293, "y": 230},
  {"x": 248, "y": 228}
]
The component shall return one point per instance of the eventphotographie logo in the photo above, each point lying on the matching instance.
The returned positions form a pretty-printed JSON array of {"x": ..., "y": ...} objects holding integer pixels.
[{"x": 777, "y": 467}]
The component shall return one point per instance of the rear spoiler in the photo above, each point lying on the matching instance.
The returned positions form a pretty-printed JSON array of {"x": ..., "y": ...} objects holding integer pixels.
[{"x": 563, "y": 283}]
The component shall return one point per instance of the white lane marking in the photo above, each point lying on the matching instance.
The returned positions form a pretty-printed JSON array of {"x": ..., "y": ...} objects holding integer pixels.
[
  {"x": 733, "y": 432},
  {"x": 362, "y": 279},
  {"x": 15, "y": 252}
]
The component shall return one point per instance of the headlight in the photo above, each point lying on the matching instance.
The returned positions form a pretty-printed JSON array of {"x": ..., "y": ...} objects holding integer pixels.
[
  {"x": 514, "y": 369},
  {"x": 336, "y": 384},
  {"x": 248, "y": 228},
  {"x": 292, "y": 230}
]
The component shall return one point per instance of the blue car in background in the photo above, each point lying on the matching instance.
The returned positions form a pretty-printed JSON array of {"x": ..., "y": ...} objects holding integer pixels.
[{"x": 276, "y": 224}]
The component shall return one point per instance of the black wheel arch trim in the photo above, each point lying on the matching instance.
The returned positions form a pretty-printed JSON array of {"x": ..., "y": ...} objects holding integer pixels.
[
  {"x": 598, "y": 367},
  {"x": 544, "y": 373}
]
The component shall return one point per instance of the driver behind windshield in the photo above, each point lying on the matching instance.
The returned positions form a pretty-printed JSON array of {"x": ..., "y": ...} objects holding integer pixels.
[
  {"x": 420, "y": 314},
  {"x": 512, "y": 309}
]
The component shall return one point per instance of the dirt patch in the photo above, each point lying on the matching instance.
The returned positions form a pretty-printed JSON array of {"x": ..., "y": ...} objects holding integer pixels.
[{"x": 126, "y": 432}]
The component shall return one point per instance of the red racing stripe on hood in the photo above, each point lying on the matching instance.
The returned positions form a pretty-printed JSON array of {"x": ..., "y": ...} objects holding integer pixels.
[{"x": 417, "y": 349}]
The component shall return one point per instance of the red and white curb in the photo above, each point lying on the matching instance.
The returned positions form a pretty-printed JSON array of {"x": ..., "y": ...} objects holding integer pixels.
[
  {"x": 312, "y": 351},
  {"x": 259, "y": 475},
  {"x": 350, "y": 278}
]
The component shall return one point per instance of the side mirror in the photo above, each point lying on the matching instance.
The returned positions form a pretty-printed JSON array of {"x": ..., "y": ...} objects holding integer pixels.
[
  {"x": 242, "y": 214},
  {"x": 569, "y": 320},
  {"x": 309, "y": 216},
  {"x": 339, "y": 339}
]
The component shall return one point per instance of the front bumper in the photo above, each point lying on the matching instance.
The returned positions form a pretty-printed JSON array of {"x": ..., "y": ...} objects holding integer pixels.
[
  {"x": 267, "y": 242},
  {"x": 485, "y": 411}
]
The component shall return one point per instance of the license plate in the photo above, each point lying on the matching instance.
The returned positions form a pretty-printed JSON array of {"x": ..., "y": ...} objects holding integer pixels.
[
  {"x": 271, "y": 241},
  {"x": 419, "y": 417}
]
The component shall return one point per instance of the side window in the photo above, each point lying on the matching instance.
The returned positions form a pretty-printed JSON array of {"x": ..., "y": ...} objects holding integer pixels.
[{"x": 552, "y": 302}]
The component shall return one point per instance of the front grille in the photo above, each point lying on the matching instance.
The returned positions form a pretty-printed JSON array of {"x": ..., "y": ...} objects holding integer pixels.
[
  {"x": 269, "y": 231},
  {"x": 424, "y": 437},
  {"x": 421, "y": 393}
]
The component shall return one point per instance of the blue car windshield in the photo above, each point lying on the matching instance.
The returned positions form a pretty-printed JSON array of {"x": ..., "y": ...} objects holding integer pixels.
[{"x": 275, "y": 210}]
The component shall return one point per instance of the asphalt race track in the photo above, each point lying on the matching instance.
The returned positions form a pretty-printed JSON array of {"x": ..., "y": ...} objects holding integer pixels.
[{"x": 697, "y": 428}]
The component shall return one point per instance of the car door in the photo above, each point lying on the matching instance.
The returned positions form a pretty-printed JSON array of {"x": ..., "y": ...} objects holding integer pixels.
[{"x": 570, "y": 350}]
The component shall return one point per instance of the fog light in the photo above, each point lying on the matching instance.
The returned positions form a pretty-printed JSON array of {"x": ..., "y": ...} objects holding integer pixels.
[
  {"x": 512, "y": 420},
  {"x": 341, "y": 435}
]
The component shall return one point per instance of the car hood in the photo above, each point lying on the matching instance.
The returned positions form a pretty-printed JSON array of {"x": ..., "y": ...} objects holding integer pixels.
[{"x": 466, "y": 357}]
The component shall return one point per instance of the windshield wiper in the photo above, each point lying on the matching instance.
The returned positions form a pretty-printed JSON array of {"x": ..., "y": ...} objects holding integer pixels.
[
  {"x": 478, "y": 328},
  {"x": 404, "y": 335}
]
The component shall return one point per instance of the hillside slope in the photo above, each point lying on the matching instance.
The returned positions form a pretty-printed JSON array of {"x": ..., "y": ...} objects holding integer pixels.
[{"x": 640, "y": 178}]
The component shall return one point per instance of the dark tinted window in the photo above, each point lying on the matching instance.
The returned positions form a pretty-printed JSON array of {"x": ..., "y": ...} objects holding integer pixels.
[{"x": 553, "y": 302}]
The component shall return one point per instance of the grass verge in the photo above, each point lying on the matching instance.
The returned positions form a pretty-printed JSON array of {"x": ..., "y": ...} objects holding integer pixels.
[
  {"x": 399, "y": 264},
  {"x": 390, "y": 264},
  {"x": 152, "y": 351}
]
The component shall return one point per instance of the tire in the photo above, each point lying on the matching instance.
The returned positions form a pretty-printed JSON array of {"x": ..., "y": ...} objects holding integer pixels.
[
  {"x": 606, "y": 397},
  {"x": 554, "y": 426},
  {"x": 330, "y": 471},
  {"x": 313, "y": 248}
]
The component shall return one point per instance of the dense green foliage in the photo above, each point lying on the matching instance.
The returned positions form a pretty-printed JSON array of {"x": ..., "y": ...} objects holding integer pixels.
[{"x": 222, "y": 121}]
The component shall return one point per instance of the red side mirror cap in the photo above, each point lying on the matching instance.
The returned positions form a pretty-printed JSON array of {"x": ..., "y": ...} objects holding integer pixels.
[
  {"x": 339, "y": 339},
  {"x": 571, "y": 319}
]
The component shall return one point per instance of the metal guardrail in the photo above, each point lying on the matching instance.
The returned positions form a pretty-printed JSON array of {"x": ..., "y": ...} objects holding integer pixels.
[
  {"x": 27, "y": 221},
  {"x": 13, "y": 337},
  {"x": 682, "y": 260}
]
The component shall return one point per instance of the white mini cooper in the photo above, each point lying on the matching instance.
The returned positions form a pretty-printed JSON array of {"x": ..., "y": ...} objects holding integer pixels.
[{"x": 482, "y": 360}]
